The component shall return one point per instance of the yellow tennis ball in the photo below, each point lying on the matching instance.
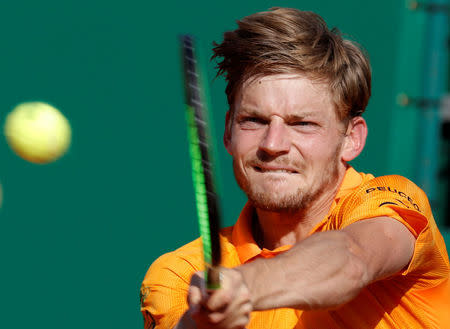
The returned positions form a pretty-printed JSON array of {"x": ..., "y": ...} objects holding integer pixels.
[{"x": 37, "y": 132}]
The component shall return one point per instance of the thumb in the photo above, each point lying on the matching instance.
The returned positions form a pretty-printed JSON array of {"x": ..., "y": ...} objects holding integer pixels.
[{"x": 194, "y": 296}]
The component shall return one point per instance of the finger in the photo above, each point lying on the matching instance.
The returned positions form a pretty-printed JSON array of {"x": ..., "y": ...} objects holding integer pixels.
[
  {"x": 237, "y": 320},
  {"x": 218, "y": 301},
  {"x": 233, "y": 291},
  {"x": 237, "y": 312}
]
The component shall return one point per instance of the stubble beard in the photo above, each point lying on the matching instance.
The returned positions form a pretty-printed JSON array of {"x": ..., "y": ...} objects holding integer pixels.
[{"x": 295, "y": 202}]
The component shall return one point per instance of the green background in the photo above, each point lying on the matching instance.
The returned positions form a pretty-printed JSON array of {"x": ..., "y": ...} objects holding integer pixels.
[{"x": 77, "y": 235}]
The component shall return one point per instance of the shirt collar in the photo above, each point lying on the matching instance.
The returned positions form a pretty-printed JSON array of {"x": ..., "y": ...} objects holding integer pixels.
[
  {"x": 242, "y": 236},
  {"x": 352, "y": 179}
]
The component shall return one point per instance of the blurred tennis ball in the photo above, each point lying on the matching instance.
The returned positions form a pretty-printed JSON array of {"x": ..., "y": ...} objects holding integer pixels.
[{"x": 37, "y": 132}]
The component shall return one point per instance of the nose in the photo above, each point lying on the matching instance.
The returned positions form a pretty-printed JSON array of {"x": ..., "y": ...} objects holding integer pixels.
[{"x": 276, "y": 140}]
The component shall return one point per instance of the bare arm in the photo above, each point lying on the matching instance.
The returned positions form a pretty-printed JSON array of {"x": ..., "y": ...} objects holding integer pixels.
[
  {"x": 330, "y": 268},
  {"x": 323, "y": 271}
]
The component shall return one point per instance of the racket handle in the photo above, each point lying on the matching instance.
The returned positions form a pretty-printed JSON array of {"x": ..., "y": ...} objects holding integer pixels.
[{"x": 213, "y": 278}]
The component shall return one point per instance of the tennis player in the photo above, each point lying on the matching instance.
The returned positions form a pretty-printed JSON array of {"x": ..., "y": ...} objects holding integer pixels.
[{"x": 318, "y": 245}]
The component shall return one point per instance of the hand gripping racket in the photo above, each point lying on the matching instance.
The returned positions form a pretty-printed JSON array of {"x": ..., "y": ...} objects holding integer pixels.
[{"x": 200, "y": 151}]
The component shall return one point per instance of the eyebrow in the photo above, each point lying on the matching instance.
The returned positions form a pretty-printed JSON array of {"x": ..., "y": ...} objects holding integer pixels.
[
  {"x": 302, "y": 116},
  {"x": 290, "y": 117}
]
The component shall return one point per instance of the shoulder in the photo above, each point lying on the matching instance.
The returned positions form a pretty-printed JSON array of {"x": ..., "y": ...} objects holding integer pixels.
[
  {"x": 395, "y": 185},
  {"x": 186, "y": 260},
  {"x": 392, "y": 196},
  {"x": 391, "y": 190},
  {"x": 399, "y": 198},
  {"x": 165, "y": 285},
  {"x": 176, "y": 267},
  {"x": 187, "y": 256}
]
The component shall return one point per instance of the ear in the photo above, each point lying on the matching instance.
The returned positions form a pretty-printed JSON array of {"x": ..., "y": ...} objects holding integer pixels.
[
  {"x": 355, "y": 139},
  {"x": 227, "y": 132}
]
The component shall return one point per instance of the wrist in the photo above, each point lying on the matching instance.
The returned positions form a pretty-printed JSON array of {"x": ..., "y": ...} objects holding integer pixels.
[{"x": 249, "y": 277}]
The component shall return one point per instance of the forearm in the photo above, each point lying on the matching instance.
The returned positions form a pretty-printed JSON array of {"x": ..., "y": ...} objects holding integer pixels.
[{"x": 323, "y": 271}]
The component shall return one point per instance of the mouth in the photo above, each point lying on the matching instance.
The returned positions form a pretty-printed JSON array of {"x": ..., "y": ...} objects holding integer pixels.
[{"x": 269, "y": 169}]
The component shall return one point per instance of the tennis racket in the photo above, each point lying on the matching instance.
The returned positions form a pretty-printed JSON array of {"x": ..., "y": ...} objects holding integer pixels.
[{"x": 200, "y": 150}]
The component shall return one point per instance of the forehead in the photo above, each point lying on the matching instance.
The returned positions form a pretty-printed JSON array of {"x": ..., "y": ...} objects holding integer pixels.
[{"x": 284, "y": 94}]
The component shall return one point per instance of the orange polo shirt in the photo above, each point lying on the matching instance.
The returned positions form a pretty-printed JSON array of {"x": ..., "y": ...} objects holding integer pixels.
[{"x": 418, "y": 297}]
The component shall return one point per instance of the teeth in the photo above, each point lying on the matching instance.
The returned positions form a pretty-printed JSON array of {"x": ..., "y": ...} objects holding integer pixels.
[
  {"x": 276, "y": 170},
  {"x": 282, "y": 171}
]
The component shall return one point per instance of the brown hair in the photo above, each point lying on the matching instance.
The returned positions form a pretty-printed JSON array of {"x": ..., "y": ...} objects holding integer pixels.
[{"x": 285, "y": 40}]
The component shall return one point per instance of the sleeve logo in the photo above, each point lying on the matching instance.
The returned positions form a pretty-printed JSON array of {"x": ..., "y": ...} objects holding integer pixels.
[{"x": 399, "y": 193}]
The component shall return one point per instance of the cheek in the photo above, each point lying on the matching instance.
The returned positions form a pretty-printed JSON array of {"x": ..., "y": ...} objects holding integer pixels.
[
  {"x": 244, "y": 142},
  {"x": 319, "y": 150},
  {"x": 311, "y": 145}
]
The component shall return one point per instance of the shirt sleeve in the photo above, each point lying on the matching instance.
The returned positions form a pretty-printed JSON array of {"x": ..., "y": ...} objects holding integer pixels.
[
  {"x": 397, "y": 197},
  {"x": 164, "y": 291}
]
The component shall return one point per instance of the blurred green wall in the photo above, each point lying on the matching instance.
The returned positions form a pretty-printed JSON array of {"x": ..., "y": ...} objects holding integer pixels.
[{"x": 78, "y": 235}]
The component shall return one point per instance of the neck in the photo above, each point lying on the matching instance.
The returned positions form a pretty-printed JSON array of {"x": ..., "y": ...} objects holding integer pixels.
[{"x": 275, "y": 229}]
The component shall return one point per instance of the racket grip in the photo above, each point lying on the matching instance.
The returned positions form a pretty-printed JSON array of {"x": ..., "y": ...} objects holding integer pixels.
[{"x": 213, "y": 278}]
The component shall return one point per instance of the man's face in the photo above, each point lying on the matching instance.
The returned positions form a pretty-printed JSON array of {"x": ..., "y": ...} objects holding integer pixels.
[{"x": 285, "y": 139}]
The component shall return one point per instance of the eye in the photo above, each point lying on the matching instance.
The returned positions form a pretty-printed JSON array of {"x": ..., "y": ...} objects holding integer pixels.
[
  {"x": 304, "y": 126},
  {"x": 251, "y": 122},
  {"x": 301, "y": 123},
  {"x": 253, "y": 119}
]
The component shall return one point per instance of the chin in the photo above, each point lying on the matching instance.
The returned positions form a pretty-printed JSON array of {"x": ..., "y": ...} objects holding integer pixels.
[{"x": 278, "y": 203}]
